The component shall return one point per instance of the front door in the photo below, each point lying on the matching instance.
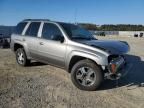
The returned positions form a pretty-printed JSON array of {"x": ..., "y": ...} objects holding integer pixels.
[{"x": 50, "y": 48}]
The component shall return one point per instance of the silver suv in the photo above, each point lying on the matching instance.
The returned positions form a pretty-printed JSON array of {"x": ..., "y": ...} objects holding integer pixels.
[{"x": 72, "y": 48}]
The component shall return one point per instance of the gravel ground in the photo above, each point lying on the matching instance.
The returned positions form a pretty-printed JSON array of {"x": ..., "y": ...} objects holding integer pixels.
[{"x": 44, "y": 86}]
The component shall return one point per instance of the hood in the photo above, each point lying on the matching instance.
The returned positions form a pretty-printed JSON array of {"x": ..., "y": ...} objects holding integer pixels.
[{"x": 113, "y": 47}]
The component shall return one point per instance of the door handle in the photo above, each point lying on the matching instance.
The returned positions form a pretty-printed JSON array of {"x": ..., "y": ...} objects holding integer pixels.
[
  {"x": 41, "y": 43},
  {"x": 23, "y": 39}
]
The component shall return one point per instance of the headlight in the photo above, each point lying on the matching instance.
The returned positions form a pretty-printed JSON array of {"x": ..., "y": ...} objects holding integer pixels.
[{"x": 116, "y": 64}]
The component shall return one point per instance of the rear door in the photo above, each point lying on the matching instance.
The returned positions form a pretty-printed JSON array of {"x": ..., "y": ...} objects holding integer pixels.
[
  {"x": 31, "y": 38},
  {"x": 50, "y": 48}
]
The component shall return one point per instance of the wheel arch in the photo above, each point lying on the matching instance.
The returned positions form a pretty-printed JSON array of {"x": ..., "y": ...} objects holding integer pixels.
[
  {"x": 77, "y": 56},
  {"x": 19, "y": 45}
]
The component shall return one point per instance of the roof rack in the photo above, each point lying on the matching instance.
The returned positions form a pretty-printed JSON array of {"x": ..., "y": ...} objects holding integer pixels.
[{"x": 36, "y": 20}]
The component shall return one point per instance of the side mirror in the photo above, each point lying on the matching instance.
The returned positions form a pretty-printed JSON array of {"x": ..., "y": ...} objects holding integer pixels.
[
  {"x": 58, "y": 38},
  {"x": 61, "y": 39}
]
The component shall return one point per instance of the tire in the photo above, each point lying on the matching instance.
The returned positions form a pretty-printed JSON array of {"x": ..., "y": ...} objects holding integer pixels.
[
  {"x": 91, "y": 80},
  {"x": 22, "y": 61}
]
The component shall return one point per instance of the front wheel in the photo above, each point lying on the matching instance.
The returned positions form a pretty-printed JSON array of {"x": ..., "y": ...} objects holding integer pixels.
[
  {"x": 86, "y": 75},
  {"x": 21, "y": 57}
]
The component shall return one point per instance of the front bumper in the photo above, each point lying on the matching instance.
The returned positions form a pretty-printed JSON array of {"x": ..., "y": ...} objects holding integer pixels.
[{"x": 118, "y": 68}]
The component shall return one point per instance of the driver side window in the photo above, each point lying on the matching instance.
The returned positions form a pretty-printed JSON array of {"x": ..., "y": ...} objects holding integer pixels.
[{"x": 51, "y": 32}]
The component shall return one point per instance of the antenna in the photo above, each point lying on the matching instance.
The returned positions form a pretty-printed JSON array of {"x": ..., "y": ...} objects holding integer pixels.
[{"x": 75, "y": 16}]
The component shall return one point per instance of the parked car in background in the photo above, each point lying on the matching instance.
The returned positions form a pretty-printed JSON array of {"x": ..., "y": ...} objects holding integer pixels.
[
  {"x": 141, "y": 35},
  {"x": 4, "y": 42},
  {"x": 100, "y": 34},
  {"x": 136, "y": 35},
  {"x": 70, "y": 47}
]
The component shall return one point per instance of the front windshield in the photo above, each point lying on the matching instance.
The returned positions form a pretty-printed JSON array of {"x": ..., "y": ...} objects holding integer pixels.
[{"x": 76, "y": 32}]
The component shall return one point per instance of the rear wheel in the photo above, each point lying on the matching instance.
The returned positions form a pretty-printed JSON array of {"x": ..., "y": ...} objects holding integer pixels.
[
  {"x": 86, "y": 75},
  {"x": 21, "y": 57}
]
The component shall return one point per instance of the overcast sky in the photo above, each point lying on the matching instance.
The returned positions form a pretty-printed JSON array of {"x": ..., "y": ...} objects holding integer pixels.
[{"x": 91, "y": 11}]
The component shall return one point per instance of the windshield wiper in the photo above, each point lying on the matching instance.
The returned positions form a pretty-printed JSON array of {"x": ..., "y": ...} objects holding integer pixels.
[{"x": 81, "y": 38}]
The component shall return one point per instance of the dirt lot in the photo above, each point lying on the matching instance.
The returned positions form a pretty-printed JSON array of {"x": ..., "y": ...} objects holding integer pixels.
[{"x": 44, "y": 86}]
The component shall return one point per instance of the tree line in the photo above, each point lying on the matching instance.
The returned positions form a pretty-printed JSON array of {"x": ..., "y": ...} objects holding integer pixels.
[{"x": 110, "y": 27}]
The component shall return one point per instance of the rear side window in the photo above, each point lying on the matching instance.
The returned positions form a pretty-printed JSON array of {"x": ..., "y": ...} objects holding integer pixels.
[
  {"x": 33, "y": 29},
  {"x": 20, "y": 27},
  {"x": 50, "y": 31}
]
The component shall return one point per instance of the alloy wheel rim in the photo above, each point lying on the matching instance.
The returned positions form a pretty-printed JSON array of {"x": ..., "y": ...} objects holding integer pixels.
[
  {"x": 20, "y": 57},
  {"x": 86, "y": 76}
]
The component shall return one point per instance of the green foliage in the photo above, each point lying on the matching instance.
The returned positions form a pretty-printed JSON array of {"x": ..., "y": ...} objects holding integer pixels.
[
  {"x": 88, "y": 26},
  {"x": 119, "y": 27}
]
